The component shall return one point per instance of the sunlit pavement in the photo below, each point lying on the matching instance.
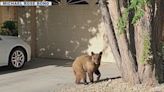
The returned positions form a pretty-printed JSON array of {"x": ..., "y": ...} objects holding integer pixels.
[{"x": 44, "y": 75}]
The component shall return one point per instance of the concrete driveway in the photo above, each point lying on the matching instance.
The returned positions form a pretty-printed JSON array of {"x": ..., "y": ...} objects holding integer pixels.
[{"x": 44, "y": 75}]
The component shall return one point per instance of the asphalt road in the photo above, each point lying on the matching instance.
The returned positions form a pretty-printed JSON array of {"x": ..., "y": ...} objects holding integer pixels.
[{"x": 44, "y": 75}]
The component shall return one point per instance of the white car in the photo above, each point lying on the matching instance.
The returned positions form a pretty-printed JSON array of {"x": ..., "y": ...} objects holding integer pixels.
[{"x": 14, "y": 52}]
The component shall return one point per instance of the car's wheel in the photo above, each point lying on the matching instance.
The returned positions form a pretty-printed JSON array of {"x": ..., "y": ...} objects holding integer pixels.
[{"x": 17, "y": 58}]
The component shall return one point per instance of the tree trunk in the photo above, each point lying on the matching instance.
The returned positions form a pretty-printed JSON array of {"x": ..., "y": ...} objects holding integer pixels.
[
  {"x": 129, "y": 72},
  {"x": 157, "y": 26},
  {"x": 135, "y": 68},
  {"x": 110, "y": 34},
  {"x": 148, "y": 26}
]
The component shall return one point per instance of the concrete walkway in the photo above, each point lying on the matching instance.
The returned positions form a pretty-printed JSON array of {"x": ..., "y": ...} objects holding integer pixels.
[{"x": 44, "y": 75}]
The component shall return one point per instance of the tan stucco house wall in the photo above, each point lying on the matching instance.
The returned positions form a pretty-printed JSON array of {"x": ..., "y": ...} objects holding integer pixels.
[
  {"x": 64, "y": 31},
  {"x": 7, "y": 13}
]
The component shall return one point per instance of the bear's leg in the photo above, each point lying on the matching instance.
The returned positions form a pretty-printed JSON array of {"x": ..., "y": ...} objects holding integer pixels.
[
  {"x": 97, "y": 72},
  {"x": 78, "y": 78},
  {"x": 90, "y": 74},
  {"x": 85, "y": 79}
]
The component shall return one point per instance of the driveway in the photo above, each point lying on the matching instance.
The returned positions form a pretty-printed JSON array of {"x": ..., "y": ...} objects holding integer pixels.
[{"x": 45, "y": 75}]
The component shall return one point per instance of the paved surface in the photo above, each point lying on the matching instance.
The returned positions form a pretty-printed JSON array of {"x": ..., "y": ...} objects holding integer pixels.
[{"x": 44, "y": 75}]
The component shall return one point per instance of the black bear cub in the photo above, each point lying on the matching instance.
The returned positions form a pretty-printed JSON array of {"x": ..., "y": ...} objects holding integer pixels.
[{"x": 87, "y": 64}]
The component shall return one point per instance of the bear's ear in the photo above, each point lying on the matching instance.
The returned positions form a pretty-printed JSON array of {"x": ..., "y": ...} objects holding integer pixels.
[
  {"x": 100, "y": 53},
  {"x": 92, "y": 53}
]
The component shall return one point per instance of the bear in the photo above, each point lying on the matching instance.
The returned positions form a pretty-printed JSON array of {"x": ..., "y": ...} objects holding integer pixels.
[{"x": 87, "y": 64}]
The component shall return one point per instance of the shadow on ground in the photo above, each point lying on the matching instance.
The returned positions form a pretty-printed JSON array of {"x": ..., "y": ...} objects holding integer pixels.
[
  {"x": 106, "y": 79},
  {"x": 36, "y": 63}
]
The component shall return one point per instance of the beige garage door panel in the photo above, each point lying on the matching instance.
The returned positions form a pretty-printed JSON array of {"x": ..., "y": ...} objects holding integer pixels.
[{"x": 68, "y": 31}]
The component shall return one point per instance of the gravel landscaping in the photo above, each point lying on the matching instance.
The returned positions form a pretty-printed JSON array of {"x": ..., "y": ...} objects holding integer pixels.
[{"x": 116, "y": 85}]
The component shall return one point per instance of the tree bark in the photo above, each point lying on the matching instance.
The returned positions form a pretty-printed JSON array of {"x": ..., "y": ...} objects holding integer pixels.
[
  {"x": 157, "y": 25},
  {"x": 129, "y": 60},
  {"x": 110, "y": 34},
  {"x": 129, "y": 72},
  {"x": 149, "y": 24}
]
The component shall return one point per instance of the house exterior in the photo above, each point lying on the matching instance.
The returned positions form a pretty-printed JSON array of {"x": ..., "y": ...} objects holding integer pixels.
[
  {"x": 7, "y": 13},
  {"x": 64, "y": 30}
]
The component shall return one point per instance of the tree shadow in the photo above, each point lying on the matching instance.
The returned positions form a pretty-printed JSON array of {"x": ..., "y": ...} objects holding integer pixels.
[{"x": 62, "y": 31}]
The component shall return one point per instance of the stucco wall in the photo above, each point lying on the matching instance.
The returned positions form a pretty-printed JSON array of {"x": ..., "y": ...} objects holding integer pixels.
[
  {"x": 7, "y": 13},
  {"x": 66, "y": 31}
]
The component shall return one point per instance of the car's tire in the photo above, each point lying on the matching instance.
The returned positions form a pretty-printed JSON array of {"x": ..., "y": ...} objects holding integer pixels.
[{"x": 17, "y": 58}]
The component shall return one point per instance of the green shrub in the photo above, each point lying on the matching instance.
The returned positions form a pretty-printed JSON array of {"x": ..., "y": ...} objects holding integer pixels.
[{"x": 9, "y": 28}]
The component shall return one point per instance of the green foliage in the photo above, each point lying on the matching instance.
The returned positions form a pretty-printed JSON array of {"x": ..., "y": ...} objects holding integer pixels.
[
  {"x": 9, "y": 28},
  {"x": 122, "y": 22},
  {"x": 147, "y": 53},
  {"x": 138, "y": 7}
]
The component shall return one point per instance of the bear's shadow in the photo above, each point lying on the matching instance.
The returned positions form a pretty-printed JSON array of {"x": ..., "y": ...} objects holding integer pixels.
[
  {"x": 102, "y": 80},
  {"x": 106, "y": 79}
]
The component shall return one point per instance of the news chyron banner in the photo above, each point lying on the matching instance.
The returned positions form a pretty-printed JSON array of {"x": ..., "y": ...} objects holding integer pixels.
[{"x": 25, "y": 3}]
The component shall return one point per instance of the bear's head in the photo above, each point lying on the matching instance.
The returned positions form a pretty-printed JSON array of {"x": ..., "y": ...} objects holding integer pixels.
[{"x": 96, "y": 57}]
